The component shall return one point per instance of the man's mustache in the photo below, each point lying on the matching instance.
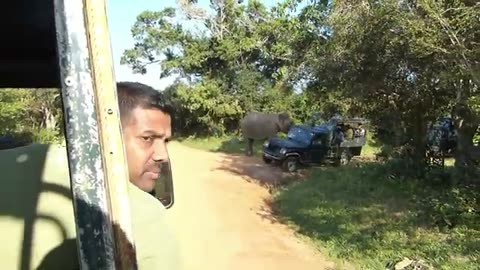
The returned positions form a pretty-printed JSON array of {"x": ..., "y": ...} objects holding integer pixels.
[{"x": 156, "y": 167}]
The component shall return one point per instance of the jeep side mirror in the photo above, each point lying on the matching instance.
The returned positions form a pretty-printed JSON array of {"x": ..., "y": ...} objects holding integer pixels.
[{"x": 164, "y": 186}]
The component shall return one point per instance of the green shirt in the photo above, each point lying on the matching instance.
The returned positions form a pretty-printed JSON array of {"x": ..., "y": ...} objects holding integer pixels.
[{"x": 37, "y": 225}]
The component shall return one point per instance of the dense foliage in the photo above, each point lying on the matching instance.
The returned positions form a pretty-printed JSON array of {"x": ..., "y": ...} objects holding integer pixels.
[
  {"x": 32, "y": 115},
  {"x": 402, "y": 64}
]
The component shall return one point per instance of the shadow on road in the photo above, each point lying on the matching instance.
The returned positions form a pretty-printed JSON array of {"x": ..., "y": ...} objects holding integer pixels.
[
  {"x": 267, "y": 212},
  {"x": 253, "y": 169}
]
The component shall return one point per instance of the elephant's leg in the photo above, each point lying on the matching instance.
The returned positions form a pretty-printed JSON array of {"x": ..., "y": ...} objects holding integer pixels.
[
  {"x": 246, "y": 142},
  {"x": 249, "y": 147}
]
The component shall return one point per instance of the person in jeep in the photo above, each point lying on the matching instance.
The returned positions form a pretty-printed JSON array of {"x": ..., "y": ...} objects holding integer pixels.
[{"x": 339, "y": 136}]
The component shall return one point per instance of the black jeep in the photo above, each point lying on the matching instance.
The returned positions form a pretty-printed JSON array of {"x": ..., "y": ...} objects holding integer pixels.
[
  {"x": 317, "y": 144},
  {"x": 442, "y": 137}
]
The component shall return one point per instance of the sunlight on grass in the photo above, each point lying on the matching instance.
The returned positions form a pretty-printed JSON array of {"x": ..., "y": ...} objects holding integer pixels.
[
  {"x": 236, "y": 145},
  {"x": 371, "y": 147},
  {"x": 449, "y": 162},
  {"x": 369, "y": 150},
  {"x": 358, "y": 215},
  {"x": 225, "y": 144},
  {"x": 209, "y": 144}
]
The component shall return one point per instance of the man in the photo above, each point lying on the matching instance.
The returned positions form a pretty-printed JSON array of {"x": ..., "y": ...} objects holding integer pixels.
[
  {"x": 36, "y": 211},
  {"x": 360, "y": 131},
  {"x": 146, "y": 123},
  {"x": 339, "y": 136}
]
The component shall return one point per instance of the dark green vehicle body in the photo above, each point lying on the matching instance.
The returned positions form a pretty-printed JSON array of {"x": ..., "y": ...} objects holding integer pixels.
[
  {"x": 442, "y": 137},
  {"x": 316, "y": 145}
]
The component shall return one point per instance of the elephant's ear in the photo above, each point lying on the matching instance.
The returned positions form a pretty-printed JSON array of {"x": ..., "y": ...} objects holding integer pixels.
[
  {"x": 283, "y": 117},
  {"x": 284, "y": 121}
]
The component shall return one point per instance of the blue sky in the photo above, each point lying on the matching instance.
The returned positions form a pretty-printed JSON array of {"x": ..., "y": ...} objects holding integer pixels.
[{"x": 121, "y": 17}]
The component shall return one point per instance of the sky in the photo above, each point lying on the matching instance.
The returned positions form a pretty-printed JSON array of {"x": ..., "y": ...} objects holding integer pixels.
[{"x": 121, "y": 16}]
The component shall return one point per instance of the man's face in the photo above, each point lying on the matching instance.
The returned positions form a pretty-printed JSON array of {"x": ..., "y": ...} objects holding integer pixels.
[{"x": 146, "y": 134}]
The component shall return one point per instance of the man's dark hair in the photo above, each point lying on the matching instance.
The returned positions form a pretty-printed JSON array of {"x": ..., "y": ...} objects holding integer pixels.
[{"x": 134, "y": 94}]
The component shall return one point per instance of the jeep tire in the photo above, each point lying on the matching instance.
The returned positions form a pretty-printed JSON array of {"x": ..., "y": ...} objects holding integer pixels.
[
  {"x": 290, "y": 164},
  {"x": 266, "y": 159}
]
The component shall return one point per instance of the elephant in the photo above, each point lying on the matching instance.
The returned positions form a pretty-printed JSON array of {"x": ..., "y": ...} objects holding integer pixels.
[{"x": 261, "y": 126}]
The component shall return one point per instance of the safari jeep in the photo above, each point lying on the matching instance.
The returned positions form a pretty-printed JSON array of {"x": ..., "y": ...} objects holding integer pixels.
[
  {"x": 442, "y": 137},
  {"x": 324, "y": 143}
]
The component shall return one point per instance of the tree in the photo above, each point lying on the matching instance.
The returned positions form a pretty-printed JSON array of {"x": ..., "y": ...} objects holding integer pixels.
[
  {"x": 14, "y": 109},
  {"x": 402, "y": 64},
  {"x": 244, "y": 54},
  {"x": 383, "y": 54},
  {"x": 34, "y": 113},
  {"x": 451, "y": 31}
]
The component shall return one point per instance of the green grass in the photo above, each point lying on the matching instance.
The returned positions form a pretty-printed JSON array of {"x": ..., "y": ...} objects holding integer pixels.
[
  {"x": 234, "y": 145},
  {"x": 370, "y": 149},
  {"x": 226, "y": 144},
  {"x": 356, "y": 214},
  {"x": 449, "y": 162}
]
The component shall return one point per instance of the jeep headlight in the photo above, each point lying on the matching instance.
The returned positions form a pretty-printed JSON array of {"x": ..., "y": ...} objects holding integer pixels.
[
  {"x": 265, "y": 144},
  {"x": 283, "y": 151}
]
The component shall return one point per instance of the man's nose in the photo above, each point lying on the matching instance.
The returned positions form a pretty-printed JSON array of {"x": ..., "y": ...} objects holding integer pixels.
[{"x": 160, "y": 153}]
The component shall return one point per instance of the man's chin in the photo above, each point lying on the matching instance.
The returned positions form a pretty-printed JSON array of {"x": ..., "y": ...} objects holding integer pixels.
[
  {"x": 152, "y": 175},
  {"x": 148, "y": 182}
]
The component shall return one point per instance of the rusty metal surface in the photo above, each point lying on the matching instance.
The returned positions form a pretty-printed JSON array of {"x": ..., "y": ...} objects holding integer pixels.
[{"x": 94, "y": 229}]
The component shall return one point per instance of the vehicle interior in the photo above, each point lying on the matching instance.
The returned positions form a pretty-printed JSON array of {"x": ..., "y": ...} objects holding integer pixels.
[{"x": 29, "y": 59}]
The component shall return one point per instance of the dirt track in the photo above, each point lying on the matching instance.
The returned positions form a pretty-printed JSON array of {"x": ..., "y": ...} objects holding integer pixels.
[{"x": 222, "y": 218}]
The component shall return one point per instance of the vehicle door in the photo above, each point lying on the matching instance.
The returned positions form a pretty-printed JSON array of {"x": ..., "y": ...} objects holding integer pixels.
[{"x": 318, "y": 148}]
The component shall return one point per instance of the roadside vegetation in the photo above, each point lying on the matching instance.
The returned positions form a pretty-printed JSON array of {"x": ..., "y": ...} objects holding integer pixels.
[
  {"x": 31, "y": 116},
  {"x": 234, "y": 144},
  {"x": 373, "y": 214},
  {"x": 229, "y": 144},
  {"x": 373, "y": 217}
]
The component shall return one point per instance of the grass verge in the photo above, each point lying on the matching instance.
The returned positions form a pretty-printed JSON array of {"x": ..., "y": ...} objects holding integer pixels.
[
  {"x": 226, "y": 144},
  {"x": 232, "y": 144},
  {"x": 357, "y": 214}
]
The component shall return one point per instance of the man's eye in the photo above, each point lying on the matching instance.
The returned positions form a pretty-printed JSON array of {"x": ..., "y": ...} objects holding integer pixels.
[{"x": 148, "y": 138}]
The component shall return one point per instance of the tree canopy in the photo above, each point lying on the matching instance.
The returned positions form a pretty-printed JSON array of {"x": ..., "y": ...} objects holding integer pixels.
[{"x": 402, "y": 64}]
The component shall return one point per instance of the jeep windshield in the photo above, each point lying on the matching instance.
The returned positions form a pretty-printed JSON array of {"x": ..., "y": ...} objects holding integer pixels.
[{"x": 300, "y": 135}]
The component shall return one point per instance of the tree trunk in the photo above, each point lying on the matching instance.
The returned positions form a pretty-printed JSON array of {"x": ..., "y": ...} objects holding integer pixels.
[
  {"x": 467, "y": 122},
  {"x": 419, "y": 135},
  {"x": 49, "y": 118},
  {"x": 466, "y": 128}
]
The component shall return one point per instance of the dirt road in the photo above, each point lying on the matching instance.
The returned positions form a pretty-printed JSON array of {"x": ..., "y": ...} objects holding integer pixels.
[{"x": 222, "y": 219}]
